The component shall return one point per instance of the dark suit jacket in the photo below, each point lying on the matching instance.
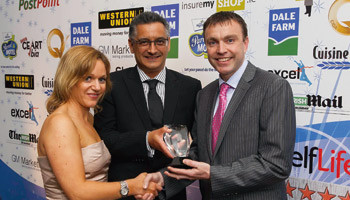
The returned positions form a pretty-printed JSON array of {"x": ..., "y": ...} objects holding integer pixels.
[
  {"x": 253, "y": 154},
  {"x": 124, "y": 120}
]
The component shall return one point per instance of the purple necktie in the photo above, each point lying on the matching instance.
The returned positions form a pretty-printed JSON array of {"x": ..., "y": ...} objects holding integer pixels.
[{"x": 219, "y": 114}]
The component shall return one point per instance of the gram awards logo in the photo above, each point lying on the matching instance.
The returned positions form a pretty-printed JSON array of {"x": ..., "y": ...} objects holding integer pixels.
[
  {"x": 283, "y": 32},
  {"x": 338, "y": 16}
]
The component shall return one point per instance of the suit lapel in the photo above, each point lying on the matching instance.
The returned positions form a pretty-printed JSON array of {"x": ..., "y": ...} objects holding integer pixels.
[
  {"x": 242, "y": 88},
  {"x": 210, "y": 102},
  {"x": 134, "y": 85},
  {"x": 172, "y": 89}
]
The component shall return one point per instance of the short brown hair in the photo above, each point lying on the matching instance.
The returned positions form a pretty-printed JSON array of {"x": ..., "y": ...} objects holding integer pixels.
[
  {"x": 225, "y": 17},
  {"x": 74, "y": 65}
]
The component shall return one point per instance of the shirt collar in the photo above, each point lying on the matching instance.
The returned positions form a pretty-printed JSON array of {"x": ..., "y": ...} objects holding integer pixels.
[
  {"x": 234, "y": 79},
  {"x": 160, "y": 77}
]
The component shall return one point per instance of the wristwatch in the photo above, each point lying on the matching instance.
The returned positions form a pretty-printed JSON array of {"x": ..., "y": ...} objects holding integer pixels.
[{"x": 124, "y": 189}]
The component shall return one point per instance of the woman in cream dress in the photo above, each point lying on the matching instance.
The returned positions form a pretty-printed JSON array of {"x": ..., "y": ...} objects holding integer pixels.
[{"x": 73, "y": 159}]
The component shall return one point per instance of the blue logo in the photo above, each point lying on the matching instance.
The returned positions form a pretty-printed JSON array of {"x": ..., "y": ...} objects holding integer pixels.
[
  {"x": 283, "y": 32},
  {"x": 171, "y": 14},
  {"x": 301, "y": 68},
  {"x": 81, "y": 34},
  {"x": 31, "y": 110},
  {"x": 197, "y": 45},
  {"x": 9, "y": 47}
]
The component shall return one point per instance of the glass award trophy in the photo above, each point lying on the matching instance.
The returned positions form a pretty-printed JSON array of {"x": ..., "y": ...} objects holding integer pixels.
[{"x": 178, "y": 143}]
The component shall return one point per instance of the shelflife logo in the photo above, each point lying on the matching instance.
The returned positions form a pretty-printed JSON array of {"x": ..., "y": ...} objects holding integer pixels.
[
  {"x": 33, "y": 47},
  {"x": 80, "y": 34},
  {"x": 56, "y": 52},
  {"x": 26, "y": 114},
  {"x": 321, "y": 152},
  {"x": 9, "y": 46},
  {"x": 18, "y": 81},
  {"x": 171, "y": 14},
  {"x": 117, "y": 18},
  {"x": 283, "y": 32},
  {"x": 338, "y": 16},
  {"x": 36, "y": 4},
  {"x": 230, "y": 5}
]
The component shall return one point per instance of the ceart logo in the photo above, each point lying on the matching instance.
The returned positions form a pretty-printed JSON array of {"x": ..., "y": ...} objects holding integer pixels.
[
  {"x": 338, "y": 16},
  {"x": 56, "y": 52}
]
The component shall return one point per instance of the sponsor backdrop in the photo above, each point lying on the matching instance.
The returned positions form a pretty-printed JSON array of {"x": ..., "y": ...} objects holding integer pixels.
[{"x": 311, "y": 51}]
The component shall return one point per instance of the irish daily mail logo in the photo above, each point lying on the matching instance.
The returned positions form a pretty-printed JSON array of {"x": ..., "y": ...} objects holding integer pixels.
[
  {"x": 117, "y": 18},
  {"x": 171, "y": 14},
  {"x": 16, "y": 81},
  {"x": 229, "y": 5},
  {"x": 283, "y": 32},
  {"x": 81, "y": 34}
]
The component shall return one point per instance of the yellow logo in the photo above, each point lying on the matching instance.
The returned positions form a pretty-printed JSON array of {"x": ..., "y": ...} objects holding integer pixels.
[
  {"x": 342, "y": 27},
  {"x": 229, "y": 5},
  {"x": 56, "y": 52}
]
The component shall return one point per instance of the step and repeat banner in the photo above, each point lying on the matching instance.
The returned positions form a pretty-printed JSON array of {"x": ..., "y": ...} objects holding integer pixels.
[{"x": 305, "y": 43}]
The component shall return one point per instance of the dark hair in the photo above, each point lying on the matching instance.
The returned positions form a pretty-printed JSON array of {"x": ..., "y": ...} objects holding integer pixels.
[
  {"x": 147, "y": 18},
  {"x": 225, "y": 17}
]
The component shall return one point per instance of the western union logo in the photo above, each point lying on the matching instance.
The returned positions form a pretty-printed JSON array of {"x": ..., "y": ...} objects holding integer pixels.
[
  {"x": 17, "y": 81},
  {"x": 117, "y": 18}
]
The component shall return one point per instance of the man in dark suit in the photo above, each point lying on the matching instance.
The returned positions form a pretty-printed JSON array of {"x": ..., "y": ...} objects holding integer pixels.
[
  {"x": 129, "y": 123},
  {"x": 244, "y": 130}
]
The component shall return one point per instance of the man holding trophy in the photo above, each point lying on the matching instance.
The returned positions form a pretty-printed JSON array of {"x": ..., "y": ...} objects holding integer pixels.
[
  {"x": 244, "y": 130},
  {"x": 142, "y": 100}
]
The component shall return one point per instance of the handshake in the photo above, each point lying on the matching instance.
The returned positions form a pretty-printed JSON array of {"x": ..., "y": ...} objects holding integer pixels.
[{"x": 146, "y": 186}]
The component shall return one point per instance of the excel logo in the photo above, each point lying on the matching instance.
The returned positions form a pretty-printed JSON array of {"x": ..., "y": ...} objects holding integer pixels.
[
  {"x": 229, "y": 5},
  {"x": 283, "y": 32}
]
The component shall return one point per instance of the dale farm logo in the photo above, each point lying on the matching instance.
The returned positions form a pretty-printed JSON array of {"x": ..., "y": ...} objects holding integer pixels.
[
  {"x": 230, "y": 5},
  {"x": 283, "y": 32},
  {"x": 171, "y": 14},
  {"x": 338, "y": 16},
  {"x": 9, "y": 46},
  {"x": 81, "y": 34}
]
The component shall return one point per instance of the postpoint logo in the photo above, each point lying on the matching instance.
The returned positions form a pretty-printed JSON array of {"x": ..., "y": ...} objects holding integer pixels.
[
  {"x": 9, "y": 46},
  {"x": 56, "y": 50},
  {"x": 283, "y": 32},
  {"x": 81, "y": 34},
  {"x": 36, "y": 4},
  {"x": 171, "y": 14},
  {"x": 229, "y": 5},
  {"x": 117, "y": 18},
  {"x": 338, "y": 16}
]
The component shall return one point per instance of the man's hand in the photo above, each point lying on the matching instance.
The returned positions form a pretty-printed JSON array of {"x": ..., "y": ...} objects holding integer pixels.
[
  {"x": 150, "y": 179},
  {"x": 155, "y": 140},
  {"x": 200, "y": 170}
]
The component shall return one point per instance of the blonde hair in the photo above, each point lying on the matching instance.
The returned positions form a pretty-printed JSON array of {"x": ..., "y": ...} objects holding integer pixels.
[{"x": 75, "y": 64}]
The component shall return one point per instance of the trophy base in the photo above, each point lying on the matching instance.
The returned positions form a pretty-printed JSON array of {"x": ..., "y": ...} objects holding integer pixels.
[{"x": 177, "y": 163}]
